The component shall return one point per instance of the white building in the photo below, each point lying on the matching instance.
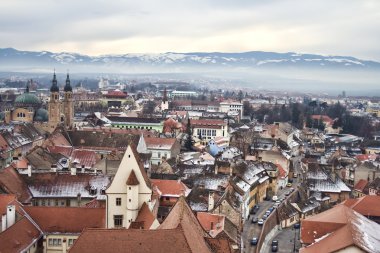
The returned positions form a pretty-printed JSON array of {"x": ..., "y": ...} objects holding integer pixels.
[
  {"x": 231, "y": 106},
  {"x": 178, "y": 93},
  {"x": 209, "y": 129},
  {"x": 160, "y": 148},
  {"x": 129, "y": 190}
]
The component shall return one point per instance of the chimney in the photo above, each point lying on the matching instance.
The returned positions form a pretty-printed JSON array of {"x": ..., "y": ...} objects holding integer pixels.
[
  {"x": 29, "y": 170},
  {"x": 212, "y": 225},
  {"x": 3, "y": 222},
  {"x": 210, "y": 201},
  {"x": 11, "y": 215},
  {"x": 53, "y": 168},
  {"x": 73, "y": 171}
]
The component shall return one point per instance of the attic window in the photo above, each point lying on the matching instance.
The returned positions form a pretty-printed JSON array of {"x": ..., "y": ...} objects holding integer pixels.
[
  {"x": 129, "y": 156},
  {"x": 93, "y": 190}
]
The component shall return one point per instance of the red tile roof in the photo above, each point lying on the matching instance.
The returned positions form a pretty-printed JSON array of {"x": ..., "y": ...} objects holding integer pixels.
[
  {"x": 170, "y": 187},
  {"x": 84, "y": 157},
  {"x": 282, "y": 171},
  {"x": 356, "y": 230},
  {"x": 207, "y": 122},
  {"x": 19, "y": 236},
  {"x": 132, "y": 179},
  {"x": 66, "y": 219},
  {"x": 159, "y": 143},
  {"x": 219, "y": 245},
  {"x": 212, "y": 223},
  {"x": 63, "y": 150},
  {"x": 11, "y": 182},
  {"x": 366, "y": 157},
  {"x": 326, "y": 119},
  {"x": 133, "y": 240},
  {"x": 181, "y": 216},
  {"x": 116, "y": 94},
  {"x": 5, "y": 200},
  {"x": 361, "y": 185},
  {"x": 367, "y": 205},
  {"x": 145, "y": 217}
]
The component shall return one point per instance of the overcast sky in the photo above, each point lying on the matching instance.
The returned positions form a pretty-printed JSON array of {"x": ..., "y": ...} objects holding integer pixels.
[{"x": 94, "y": 27}]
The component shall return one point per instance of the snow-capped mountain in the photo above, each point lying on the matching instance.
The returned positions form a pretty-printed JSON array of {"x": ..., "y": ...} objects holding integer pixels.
[{"x": 15, "y": 60}]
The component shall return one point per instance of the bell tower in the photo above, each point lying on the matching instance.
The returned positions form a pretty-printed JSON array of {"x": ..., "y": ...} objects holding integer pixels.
[
  {"x": 68, "y": 103},
  {"x": 54, "y": 107},
  {"x": 165, "y": 102}
]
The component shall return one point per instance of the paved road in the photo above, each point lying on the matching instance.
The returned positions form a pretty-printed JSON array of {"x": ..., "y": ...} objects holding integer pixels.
[
  {"x": 288, "y": 239},
  {"x": 253, "y": 230}
]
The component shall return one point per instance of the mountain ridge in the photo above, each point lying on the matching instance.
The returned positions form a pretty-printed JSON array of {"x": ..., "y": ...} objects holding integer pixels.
[{"x": 13, "y": 59}]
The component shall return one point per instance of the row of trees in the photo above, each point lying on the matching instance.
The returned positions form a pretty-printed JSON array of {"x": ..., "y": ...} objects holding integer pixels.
[{"x": 299, "y": 115}]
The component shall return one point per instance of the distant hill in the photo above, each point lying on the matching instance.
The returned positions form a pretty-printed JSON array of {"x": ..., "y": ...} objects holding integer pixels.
[{"x": 15, "y": 60}]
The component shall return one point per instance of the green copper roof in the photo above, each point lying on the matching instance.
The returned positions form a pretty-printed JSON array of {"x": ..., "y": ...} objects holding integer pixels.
[
  {"x": 41, "y": 115},
  {"x": 27, "y": 99}
]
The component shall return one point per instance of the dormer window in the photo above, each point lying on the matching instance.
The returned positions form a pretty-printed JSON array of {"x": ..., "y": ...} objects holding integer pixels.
[{"x": 93, "y": 190}]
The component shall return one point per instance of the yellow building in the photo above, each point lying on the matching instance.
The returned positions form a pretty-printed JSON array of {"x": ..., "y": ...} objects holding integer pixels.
[{"x": 27, "y": 108}]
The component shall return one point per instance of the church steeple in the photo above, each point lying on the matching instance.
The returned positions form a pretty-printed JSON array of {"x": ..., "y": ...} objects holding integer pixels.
[
  {"x": 54, "y": 85},
  {"x": 68, "y": 86},
  {"x": 27, "y": 88},
  {"x": 165, "y": 96}
]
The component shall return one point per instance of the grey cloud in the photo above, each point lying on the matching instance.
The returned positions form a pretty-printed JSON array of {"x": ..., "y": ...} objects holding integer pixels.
[{"x": 333, "y": 27}]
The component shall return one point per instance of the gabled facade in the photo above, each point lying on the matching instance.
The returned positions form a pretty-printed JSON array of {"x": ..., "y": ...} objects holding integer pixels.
[{"x": 129, "y": 190}]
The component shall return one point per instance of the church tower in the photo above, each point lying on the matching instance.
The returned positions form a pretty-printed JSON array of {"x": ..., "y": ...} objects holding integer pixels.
[
  {"x": 68, "y": 104},
  {"x": 165, "y": 102},
  {"x": 54, "y": 107}
]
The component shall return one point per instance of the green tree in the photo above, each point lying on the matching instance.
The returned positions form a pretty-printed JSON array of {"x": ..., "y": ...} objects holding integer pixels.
[{"x": 189, "y": 139}]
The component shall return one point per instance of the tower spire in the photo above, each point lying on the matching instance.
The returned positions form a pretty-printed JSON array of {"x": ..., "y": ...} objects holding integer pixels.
[
  {"x": 165, "y": 96},
  {"x": 54, "y": 85},
  {"x": 68, "y": 86}
]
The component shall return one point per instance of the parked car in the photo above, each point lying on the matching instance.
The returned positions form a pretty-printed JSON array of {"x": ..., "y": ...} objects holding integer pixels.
[
  {"x": 260, "y": 222},
  {"x": 265, "y": 217},
  {"x": 287, "y": 193},
  {"x": 274, "y": 198},
  {"x": 290, "y": 180},
  {"x": 254, "y": 220},
  {"x": 274, "y": 246},
  {"x": 267, "y": 212},
  {"x": 271, "y": 209},
  {"x": 297, "y": 226},
  {"x": 254, "y": 241},
  {"x": 295, "y": 175},
  {"x": 289, "y": 185}
]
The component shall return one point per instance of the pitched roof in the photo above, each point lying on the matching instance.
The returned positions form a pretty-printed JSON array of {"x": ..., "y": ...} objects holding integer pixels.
[
  {"x": 367, "y": 205},
  {"x": 66, "y": 219},
  {"x": 19, "y": 236},
  {"x": 140, "y": 163},
  {"x": 135, "y": 240},
  {"x": 357, "y": 231},
  {"x": 65, "y": 185},
  {"x": 145, "y": 217},
  {"x": 132, "y": 179},
  {"x": 11, "y": 182},
  {"x": 41, "y": 159},
  {"x": 182, "y": 216},
  {"x": 5, "y": 200},
  {"x": 360, "y": 185},
  {"x": 160, "y": 143},
  {"x": 212, "y": 223},
  {"x": 219, "y": 245},
  {"x": 171, "y": 187}
]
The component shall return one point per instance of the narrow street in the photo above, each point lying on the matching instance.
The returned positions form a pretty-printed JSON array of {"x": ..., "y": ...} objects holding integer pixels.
[{"x": 251, "y": 230}]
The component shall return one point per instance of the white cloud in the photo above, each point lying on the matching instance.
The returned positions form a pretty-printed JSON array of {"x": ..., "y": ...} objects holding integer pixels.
[{"x": 345, "y": 27}]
